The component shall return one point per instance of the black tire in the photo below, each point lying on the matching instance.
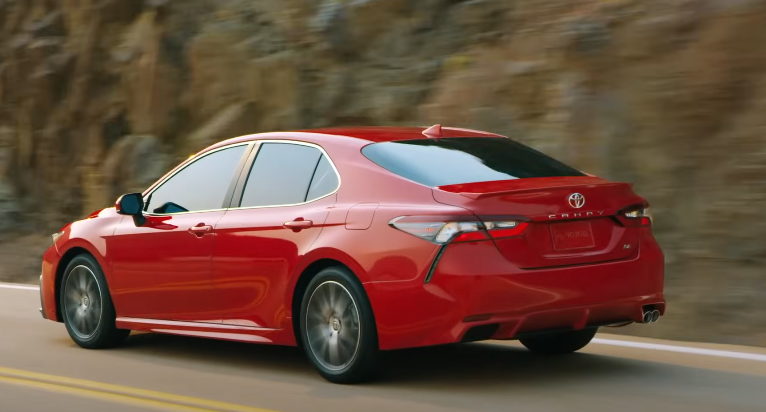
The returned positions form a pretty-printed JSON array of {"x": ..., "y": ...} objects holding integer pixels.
[
  {"x": 559, "y": 343},
  {"x": 86, "y": 305},
  {"x": 352, "y": 363}
]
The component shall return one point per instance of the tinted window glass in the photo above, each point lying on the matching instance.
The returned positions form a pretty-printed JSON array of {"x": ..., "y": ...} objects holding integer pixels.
[
  {"x": 202, "y": 185},
  {"x": 281, "y": 175},
  {"x": 448, "y": 161},
  {"x": 325, "y": 180}
]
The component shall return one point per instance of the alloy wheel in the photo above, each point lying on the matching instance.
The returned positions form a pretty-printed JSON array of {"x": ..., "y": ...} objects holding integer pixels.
[
  {"x": 83, "y": 302},
  {"x": 333, "y": 327}
]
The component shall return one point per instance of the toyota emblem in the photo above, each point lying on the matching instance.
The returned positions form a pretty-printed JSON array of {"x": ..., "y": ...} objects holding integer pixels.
[{"x": 576, "y": 200}]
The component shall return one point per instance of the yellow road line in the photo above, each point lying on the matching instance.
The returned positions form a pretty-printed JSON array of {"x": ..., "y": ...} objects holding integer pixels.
[
  {"x": 117, "y": 393},
  {"x": 112, "y": 398}
]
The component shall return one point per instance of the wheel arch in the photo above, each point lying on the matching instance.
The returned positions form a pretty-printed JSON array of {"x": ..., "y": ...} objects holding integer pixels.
[
  {"x": 67, "y": 257},
  {"x": 72, "y": 251},
  {"x": 314, "y": 263}
]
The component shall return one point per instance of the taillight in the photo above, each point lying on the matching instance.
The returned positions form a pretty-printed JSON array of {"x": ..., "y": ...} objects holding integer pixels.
[
  {"x": 511, "y": 228},
  {"x": 639, "y": 216},
  {"x": 447, "y": 231}
]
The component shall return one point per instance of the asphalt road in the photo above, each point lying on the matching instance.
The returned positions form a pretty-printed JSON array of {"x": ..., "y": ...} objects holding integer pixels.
[{"x": 41, "y": 369}]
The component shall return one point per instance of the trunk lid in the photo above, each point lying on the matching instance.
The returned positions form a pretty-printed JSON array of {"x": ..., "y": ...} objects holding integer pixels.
[{"x": 571, "y": 219}]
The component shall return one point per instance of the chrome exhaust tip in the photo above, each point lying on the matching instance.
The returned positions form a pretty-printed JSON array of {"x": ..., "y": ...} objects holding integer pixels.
[
  {"x": 648, "y": 317},
  {"x": 655, "y": 315}
]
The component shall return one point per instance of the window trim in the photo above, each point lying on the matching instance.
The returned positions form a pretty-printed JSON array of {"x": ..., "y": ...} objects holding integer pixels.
[
  {"x": 229, "y": 192},
  {"x": 245, "y": 174}
]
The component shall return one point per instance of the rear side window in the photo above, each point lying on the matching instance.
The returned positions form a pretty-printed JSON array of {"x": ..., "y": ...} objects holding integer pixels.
[
  {"x": 288, "y": 174},
  {"x": 457, "y": 160},
  {"x": 325, "y": 180}
]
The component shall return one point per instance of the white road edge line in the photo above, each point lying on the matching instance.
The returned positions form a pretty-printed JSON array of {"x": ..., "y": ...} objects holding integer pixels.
[
  {"x": 682, "y": 349},
  {"x": 18, "y": 287},
  {"x": 611, "y": 342}
]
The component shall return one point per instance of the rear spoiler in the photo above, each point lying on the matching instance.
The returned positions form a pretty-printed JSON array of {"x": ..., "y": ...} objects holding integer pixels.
[{"x": 481, "y": 190}]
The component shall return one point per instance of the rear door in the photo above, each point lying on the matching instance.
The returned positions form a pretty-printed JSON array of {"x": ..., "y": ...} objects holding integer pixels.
[
  {"x": 284, "y": 196},
  {"x": 571, "y": 218}
]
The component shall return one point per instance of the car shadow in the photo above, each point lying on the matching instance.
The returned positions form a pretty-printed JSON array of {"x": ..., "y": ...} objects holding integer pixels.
[{"x": 480, "y": 366}]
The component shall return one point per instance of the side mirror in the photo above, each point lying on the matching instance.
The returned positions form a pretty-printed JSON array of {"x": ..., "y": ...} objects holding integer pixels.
[{"x": 132, "y": 205}]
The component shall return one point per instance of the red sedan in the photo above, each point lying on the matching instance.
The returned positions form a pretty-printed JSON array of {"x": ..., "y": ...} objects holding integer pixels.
[{"x": 349, "y": 242}]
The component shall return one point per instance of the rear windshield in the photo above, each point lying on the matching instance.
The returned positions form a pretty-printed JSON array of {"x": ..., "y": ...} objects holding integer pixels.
[{"x": 456, "y": 160}]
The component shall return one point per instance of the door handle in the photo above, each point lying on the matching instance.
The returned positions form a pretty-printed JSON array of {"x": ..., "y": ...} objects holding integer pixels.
[
  {"x": 200, "y": 229},
  {"x": 298, "y": 224}
]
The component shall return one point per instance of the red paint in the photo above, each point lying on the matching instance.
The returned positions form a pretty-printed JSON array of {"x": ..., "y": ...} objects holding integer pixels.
[
  {"x": 223, "y": 332},
  {"x": 488, "y": 189},
  {"x": 360, "y": 216},
  {"x": 433, "y": 132},
  {"x": 255, "y": 259},
  {"x": 410, "y": 313},
  {"x": 163, "y": 270},
  {"x": 231, "y": 274},
  {"x": 387, "y": 134}
]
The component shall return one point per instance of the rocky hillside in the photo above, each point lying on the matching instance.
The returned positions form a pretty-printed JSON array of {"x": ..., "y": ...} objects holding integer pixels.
[{"x": 99, "y": 97}]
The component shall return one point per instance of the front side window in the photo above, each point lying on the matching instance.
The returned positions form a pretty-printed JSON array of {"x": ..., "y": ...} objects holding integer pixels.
[
  {"x": 288, "y": 174},
  {"x": 202, "y": 185}
]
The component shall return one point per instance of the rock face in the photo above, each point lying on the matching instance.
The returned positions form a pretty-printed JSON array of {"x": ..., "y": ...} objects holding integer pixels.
[
  {"x": 102, "y": 97},
  {"x": 8, "y": 202}
]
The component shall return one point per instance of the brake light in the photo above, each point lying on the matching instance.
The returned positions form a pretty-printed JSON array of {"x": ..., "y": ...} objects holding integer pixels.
[
  {"x": 635, "y": 217},
  {"x": 456, "y": 230},
  {"x": 500, "y": 230}
]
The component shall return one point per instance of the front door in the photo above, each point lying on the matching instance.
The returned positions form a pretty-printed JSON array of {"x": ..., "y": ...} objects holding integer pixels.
[
  {"x": 163, "y": 268},
  {"x": 284, "y": 203}
]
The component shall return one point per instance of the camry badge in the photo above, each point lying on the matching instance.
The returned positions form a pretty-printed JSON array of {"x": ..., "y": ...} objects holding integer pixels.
[{"x": 576, "y": 200}]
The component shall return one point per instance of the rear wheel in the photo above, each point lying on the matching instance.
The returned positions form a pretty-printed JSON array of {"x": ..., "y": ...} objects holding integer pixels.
[
  {"x": 86, "y": 305},
  {"x": 560, "y": 342},
  {"x": 338, "y": 328}
]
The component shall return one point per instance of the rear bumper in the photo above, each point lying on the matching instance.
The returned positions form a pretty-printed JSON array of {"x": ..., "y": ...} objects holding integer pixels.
[{"x": 475, "y": 293}]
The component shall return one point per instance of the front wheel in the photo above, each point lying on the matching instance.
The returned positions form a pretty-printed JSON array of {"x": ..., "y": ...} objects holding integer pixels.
[
  {"x": 338, "y": 328},
  {"x": 86, "y": 305},
  {"x": 560, "y": 342}
]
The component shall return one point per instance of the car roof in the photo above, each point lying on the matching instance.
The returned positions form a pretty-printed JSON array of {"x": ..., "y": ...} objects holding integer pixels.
[
  {"x": 390, "y": 134},
  {"x": 364, "y": 135}
]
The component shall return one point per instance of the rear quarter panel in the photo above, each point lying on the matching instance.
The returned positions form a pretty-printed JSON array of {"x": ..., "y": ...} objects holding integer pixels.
[{"x": 377, "y": 253}]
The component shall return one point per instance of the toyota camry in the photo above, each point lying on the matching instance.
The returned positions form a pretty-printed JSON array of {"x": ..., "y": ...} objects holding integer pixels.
[{"x": 348, "y": 242}]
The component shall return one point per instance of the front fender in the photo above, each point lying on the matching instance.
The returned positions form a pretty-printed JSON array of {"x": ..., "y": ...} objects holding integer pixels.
[
  {"x": 98, "y": 251},
  {"x": 91, "y": 235}
]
